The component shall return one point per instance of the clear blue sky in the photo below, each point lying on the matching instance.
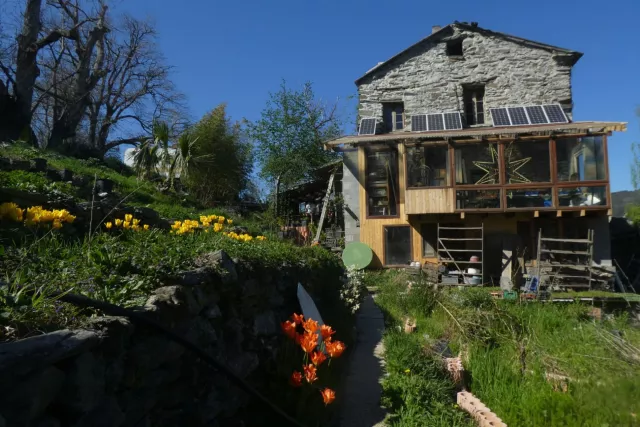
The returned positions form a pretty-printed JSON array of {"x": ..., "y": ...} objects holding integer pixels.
[{"x": 238, "y": 51}]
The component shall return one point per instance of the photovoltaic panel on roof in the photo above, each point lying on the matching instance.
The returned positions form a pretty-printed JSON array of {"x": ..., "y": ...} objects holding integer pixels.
[
  {"x": 435, "y": 121},
  {"x": 419, "y": 123},
  {"x": 367, "y": 126},
  {"x": 452, "y": 121},
  {"x": 518, "y": 116},
  {"x": 555, "y": 113},
  {"x": 536, "y": 115},
  {"x": 500, "y": 117}
]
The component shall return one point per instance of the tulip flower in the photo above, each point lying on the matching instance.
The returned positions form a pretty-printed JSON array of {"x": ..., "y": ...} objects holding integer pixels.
[
  {"x": 296, "y": 379},
  {"x": 317, "y": 357},
  {"x": 328, "y": 395},
  {"x": 310, "y": 373}
]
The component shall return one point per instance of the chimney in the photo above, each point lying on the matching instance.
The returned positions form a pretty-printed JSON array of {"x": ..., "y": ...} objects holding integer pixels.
[{"x": 435, "y": 29}]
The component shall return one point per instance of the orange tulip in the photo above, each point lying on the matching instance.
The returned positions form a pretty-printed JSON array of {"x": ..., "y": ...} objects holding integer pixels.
[
  {"x": 289, "y": 328},
  {"x": 296, "y": 379},
  {"x": 335, "y": 349},
  {"x": 298, "y": 318},
  {"x": 310, "y": 325},
  {"x": 310, "y": 373},
  {"x": 309, "y": 342},
  {"x": 326, "y": 332},
  {"x": 328, "y": 395},
  {"x": 317, "y": 357}
]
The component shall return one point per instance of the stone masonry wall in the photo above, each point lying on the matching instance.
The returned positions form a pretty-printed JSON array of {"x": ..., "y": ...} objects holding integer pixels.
[
  {"x": 114, "y": 373},
  {"x": 428, "y": 81}
]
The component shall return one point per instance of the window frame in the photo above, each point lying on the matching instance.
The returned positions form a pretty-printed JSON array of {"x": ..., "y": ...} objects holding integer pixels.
[
  {"x": 384, "y": 244},
  {"x": 555, "y": 185},
  {"x": 424, "y": 241},
  {"x": 470, "y": 95},
  {"x": 367, "y": 151},
  {"x": 393, "y": 106},
  {"x": 449, "y": 176}
]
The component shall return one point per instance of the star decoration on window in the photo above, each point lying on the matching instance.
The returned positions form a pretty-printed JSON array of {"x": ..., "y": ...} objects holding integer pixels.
[{"x": 492, "y": 168}]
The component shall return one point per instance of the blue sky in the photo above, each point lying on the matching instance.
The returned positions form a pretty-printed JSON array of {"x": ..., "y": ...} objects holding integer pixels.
[{"x": 236, "y": 52}]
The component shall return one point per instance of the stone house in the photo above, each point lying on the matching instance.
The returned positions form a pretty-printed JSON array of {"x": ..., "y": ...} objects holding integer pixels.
[{"x": 467, "y": 149}]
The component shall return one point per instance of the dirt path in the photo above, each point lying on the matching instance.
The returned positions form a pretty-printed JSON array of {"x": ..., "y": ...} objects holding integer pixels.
[{"x": 361, "y": 405}]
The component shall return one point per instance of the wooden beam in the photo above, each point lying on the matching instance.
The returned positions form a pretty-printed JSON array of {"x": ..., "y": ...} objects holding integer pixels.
[
  {"x": 558, "y": 214},
  {"x": 536, "y": 214},
  {"x": 461, "y": 215},
  {"x": 609, "y": 212},
  {"x": 583, "y": 212}
]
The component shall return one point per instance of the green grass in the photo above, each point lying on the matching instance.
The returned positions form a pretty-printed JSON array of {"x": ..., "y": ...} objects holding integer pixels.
[
  {"x": 417, "y": 390},
  {"x": 511, "y": 346},
  {"x": 124, "y": 267},
  {"x": 137, "y": 192}
]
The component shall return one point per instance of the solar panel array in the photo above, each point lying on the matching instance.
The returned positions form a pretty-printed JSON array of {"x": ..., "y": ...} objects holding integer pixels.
[
  {"x": 435, "y": 122},
  {"x": 528, "y": 115},
  {"x": 368, "y": 126}
]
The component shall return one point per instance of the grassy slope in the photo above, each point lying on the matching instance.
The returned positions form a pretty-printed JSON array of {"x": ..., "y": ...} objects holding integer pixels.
[
  {"x": 417, "y": 390},
  {"x": 505, "y": 339},
  {"x": 138, "y": 193}
]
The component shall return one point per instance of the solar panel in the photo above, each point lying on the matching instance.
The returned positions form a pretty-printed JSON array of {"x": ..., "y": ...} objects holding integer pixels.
[
  {"x": 536, "y": 115},
  {"x": 518, "y": 116},
  {"x": 452, "y": 121},
  {"x": 555, "y": 113},
  {"x": 500, "y": 117},
  {"x": 435, "y": 121},
  {"x": 419, "y": 123},
  {"x": 367, "y": 126}
]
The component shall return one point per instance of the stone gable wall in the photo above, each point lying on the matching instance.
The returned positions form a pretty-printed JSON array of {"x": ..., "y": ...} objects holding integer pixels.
[
  {"x": 114, "y": 373},
  {"x": 428, "y": 81}
]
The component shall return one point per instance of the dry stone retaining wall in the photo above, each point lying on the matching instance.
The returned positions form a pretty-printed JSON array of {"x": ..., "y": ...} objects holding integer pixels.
[{"x": 114, "y": 373}]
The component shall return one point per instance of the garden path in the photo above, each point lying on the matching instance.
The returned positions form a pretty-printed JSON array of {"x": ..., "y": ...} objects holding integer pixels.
[{"x": 362, "y": 390}]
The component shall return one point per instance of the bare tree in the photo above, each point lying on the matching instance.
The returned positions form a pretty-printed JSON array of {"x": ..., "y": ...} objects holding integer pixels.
[
  {"x": 136, "y": 88},
  {"x": 88, "y": 57}
]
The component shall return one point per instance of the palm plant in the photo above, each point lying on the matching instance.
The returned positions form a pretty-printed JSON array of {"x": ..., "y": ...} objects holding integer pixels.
[
  {"x": 153, "y": 151},
  {"x": 182, "y": 159}
]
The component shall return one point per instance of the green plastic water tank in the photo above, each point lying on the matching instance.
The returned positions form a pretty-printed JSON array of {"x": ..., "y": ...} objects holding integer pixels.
[{"x": 358, "y": 255}]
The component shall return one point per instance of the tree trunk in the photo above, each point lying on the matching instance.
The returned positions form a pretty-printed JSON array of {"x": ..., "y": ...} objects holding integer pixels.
[
  {"x": 86, "y": 79},
  {"x": 26, "y": 66},
  {"x": 277, "y": 193}
]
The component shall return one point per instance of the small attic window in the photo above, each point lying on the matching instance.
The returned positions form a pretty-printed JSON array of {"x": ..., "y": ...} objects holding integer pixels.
[{"x": 454, "y": 48}]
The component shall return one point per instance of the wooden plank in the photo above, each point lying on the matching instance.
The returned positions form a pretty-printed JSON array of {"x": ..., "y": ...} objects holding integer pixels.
[
  {"x": 564, "y": 251},
  {"x": 460, "y": 228},
  {"x": 429, "y": 201},
  {"x": 583, "y": 212},
  {"x": 536, "y": 214},
  {"x": 549, "y": 239},
  {"x": 461, "y": 215},
  {"x": 461, "y": 238},
  {"x": 325, "y": 204},
  {"x": 558, "y": 214}
]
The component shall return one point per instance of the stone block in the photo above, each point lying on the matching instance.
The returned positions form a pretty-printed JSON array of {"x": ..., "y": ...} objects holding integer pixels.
[
  {"x": 265, "y": 324},
  {"x": 153, "y": 352},
  {"x": 84, "y": 385},
  {"x": 22, "y": 356},
  {"x": 106, "y": 413},
  {"x": 28, "y": 399},
  {"x": 175, "y": 303}
]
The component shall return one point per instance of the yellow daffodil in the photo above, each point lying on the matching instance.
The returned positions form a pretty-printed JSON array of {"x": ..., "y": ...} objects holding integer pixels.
[
  {"x": 146, "y": 226},
  {"x": 108, "y": 225},
  {"x": 136, "y": 221},
  {"x": 118, "y": 222},
  {"x": 128, "y": 217},
  {"x": 126, "y": 224}
]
